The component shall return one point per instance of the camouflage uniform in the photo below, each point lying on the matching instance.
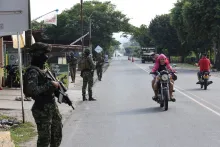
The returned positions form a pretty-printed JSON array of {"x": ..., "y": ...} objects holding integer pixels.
[
  {"x": 87, "y": 71},
  {"x": 99, "y": 66},
  {"x": 45, "y": 110},
  {"x": 72, "y": 63}
]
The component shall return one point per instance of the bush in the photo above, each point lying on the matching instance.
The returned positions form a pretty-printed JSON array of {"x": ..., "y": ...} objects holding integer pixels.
[{"x": 175, "y": 59}]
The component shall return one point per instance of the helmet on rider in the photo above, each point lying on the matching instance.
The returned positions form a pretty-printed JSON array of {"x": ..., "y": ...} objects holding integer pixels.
[{"x": 162, "y": 59}]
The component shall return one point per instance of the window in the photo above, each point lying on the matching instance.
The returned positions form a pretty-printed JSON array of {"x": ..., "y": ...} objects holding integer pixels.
[{"x": 61, "y": 60}]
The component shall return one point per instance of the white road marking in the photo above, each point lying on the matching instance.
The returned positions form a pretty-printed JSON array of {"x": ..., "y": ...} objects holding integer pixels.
[
  {"x": 201, "y": 104},
  {"x": 189, "y": 97},
  {"x": 215, "y": 106}
]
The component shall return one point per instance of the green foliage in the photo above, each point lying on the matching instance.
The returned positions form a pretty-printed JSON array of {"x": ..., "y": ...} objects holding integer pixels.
[
  {"x": 163, "y": 34},
  {"x": 38, "y": 26},
  {"x": 192, "y": 25},
  {"x": 197, "y": 24},
  {"x": 141, "y": 35},
  {"x": 105, "y": 20},
  {"x": 17, "y": 72},
  {"x": 133, "y": 50},
  {"x": 165, "y": 51},
  {"x": 5, "y": 117},
  {"x": 46, "y": 65}
]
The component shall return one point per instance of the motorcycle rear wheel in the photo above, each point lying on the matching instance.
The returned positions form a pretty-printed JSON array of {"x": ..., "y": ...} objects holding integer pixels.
[
  {"x": 205, "y": 84},
  {"x": 201, "y": 86}
]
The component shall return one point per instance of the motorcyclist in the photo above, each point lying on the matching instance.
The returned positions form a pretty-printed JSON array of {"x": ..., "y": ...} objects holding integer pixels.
[
  {"x": 162, "y": 64},
  {"x": 156, "y": 61},
  {"x": 204, "y": 65}
]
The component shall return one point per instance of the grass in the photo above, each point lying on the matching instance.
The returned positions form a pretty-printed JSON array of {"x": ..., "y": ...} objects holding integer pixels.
[
  {"x": 5, "y": 117},
  {"x": 22, "y": 133},
  {"x": 186, "y": 65}
]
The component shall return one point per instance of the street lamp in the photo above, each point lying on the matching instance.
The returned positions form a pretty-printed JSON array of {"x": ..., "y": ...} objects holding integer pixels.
[{"x": 81, "y": 1}]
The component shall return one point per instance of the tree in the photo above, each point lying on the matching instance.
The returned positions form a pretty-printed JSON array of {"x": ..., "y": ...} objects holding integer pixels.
[
  {"x": 37, "y": 25},
  {"x": 163, "y": 34},
  {"x": 105, "y": 21},
  {"x": 177, "y": 21},
  {"x": 188, "y": 31},
  {"x": 132, "y": 47},
  {"x": 202, "y": 16},
  {"x": 141, "y": 35}
]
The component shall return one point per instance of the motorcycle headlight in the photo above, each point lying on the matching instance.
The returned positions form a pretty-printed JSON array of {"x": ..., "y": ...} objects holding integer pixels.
[{"x": 165, "y": 77}]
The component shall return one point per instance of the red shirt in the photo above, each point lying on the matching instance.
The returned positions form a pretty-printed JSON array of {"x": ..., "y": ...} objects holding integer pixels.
[{"x": 204, "y": 64}]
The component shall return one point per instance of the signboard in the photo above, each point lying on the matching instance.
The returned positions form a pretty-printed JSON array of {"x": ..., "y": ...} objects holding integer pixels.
[
  {"x": 8, "y": 33},
  {"x": 98, "y": 49},
  {"x": 62, "y": 72},
  {"x": 14, "y": 16}
]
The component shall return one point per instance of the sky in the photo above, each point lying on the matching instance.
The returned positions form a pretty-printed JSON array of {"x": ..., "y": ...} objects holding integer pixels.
[{"x": 139, "y": 11}]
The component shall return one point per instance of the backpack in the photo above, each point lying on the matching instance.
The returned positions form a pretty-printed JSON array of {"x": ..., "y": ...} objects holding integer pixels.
[
  {"x": 84, "y": 64},
  {"x": 26, "y": 90}
]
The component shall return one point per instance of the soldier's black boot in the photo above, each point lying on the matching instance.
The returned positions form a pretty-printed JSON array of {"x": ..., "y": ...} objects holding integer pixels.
[
  {"x": 84, "y": 98},
  {"x": 91, "y": 99}
]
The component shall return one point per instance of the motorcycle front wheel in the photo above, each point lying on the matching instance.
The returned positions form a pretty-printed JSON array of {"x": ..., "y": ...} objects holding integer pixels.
[{"x": 165, "y": 100}]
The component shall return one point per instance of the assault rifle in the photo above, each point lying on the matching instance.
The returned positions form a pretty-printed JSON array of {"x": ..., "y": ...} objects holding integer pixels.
[{"x": 61, "y": 92}]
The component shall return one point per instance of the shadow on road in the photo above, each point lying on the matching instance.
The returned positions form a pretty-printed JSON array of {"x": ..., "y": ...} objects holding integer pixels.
[
  {"x": 140, "y": 111},
  {"x": 8, "y": 109},
  {"x": 195, "y": 89}
]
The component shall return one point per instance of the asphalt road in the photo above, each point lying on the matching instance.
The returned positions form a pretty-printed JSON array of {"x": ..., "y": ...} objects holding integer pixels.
[{"x": 126, "y": 116}]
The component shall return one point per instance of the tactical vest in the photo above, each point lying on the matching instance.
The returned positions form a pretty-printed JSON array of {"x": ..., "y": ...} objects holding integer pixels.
[{"x": 41, "y": 80}]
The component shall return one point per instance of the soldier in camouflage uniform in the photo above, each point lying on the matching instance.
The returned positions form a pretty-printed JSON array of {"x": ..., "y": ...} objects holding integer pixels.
[
  {"x": 99, "y": 66},
  {"x": 45, "y": 110},
  {"x": 87, "y": 71},
  {"x": 72, "y": 60}
]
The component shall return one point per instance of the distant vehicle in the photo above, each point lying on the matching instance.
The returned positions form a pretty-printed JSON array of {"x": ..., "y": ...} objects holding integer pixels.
[
  {"x": 147, "y": 55},
  {"x": 119, "y": 55},
  {"x": 204, "y": 80}
]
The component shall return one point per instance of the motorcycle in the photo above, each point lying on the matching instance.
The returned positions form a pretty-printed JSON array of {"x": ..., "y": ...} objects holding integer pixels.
[
  {"x": 11, "y": 80},
  {"x": 164, "y": 88},
  {"x": 204, "y": 80}
]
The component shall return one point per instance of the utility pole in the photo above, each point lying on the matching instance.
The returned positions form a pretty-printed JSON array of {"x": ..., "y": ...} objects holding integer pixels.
[
  {"x": 81, "y": 1},
  {"x": 90, "y": 31},
  {"x": 28, "y": 33},
  {"x": 90, "y": 34}
]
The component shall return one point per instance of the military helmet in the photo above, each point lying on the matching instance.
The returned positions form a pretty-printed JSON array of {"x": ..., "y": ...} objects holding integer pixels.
[
  {"x": 87, "y": 51},
  {"x": 39, "y": 48}
]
